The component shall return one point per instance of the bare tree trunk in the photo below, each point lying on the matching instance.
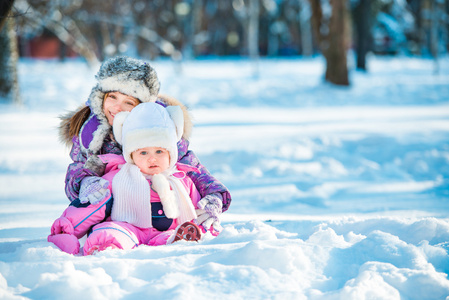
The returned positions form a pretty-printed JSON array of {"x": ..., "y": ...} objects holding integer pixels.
[
  {"x": 9, "y": 82},
  {"x": 331, "y": 28},
  {"x": 362, "y": 20},
  {"x": 73, "y": 38},
  {"x": 5, "y": 9},
  {"x": 434, "y": 29},
  {"x": 272, "y": 38},
  {"x": 419, "y": 34},
  {"x": 306, "y": 31},
  {"x": 196, "y": 19},
  {"x": 253, "y": 34},
  {"x": 337, "y": 69},
  {"x": 192, "y": 26}
]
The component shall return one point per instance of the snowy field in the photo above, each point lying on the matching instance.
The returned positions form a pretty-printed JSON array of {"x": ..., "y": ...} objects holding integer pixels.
[{"x": 338, "y": 193}]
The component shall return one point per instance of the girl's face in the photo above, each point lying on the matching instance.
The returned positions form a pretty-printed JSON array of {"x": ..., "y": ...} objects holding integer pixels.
[
  {"x": 151, "y": 160},
  {"x": 116, "y": 102}
]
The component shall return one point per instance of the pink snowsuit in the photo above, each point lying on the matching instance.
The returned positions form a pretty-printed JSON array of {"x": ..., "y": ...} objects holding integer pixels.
[{"x": 78, "y": 218}]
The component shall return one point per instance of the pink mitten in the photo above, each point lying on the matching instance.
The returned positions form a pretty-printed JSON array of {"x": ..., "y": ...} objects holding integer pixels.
[
  {"x": 62, "y": 225},
  {"x": 66, "y": 242}
]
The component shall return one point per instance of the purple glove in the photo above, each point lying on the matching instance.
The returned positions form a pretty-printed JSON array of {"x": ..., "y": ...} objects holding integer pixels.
[
  {"x": 210, "y": 209},
  {"x": 93, "y": 189}
]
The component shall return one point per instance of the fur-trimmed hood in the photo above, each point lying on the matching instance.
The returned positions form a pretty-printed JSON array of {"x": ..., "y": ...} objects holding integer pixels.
[
  {"x": 129, "y": 76},
  {"x": 104, "y": 128}
]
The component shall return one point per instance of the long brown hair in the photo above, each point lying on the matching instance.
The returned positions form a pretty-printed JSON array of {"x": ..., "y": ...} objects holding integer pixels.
[{"x": 78, "y": 119}]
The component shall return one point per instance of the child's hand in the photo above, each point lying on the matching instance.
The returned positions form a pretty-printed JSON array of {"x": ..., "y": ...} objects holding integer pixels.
[
  {"x": 93, "y": 189},
  {"x": 210, "y": 208}
]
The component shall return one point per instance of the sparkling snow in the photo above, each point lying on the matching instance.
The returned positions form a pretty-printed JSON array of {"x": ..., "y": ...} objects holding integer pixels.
[{"x": 338, "y": 192}]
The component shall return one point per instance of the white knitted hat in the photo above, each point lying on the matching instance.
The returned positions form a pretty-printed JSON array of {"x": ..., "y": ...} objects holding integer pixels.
[{"x": 149, "y": 125}]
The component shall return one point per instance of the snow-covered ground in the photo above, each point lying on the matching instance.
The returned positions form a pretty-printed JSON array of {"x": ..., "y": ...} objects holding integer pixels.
[{"x": 338, "y": 193}]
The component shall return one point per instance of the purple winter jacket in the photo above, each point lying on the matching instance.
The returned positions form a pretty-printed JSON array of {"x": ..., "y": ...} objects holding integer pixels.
[{"x": 80, "y": 153}]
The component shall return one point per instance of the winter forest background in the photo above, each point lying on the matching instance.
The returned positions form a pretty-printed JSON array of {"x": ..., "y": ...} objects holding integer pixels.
[
  {"x": 327, "y": 120},
  {"x": 197, "y": 28}
]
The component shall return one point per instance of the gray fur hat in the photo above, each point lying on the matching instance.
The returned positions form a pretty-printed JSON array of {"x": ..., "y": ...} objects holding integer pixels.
[{"x": 129, "y": 76}]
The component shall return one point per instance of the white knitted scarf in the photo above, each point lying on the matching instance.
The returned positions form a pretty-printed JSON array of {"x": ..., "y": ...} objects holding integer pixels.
[{"x": 132, "y": 195}]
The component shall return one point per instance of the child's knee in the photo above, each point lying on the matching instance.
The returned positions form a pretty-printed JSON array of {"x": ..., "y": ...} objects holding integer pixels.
[
  {"x": 84, "y": 216},
  {"x": 162, "y": 238},
  {"x": 109, "y": 235}
]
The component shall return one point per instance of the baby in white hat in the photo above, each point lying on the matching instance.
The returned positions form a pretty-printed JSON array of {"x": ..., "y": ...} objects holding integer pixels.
[
  {"x": 153, "y": 200},
  {"x": 149, "y": 136}
]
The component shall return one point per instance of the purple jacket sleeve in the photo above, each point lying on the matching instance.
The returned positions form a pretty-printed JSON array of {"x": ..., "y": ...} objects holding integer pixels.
[
  {"x": 204, "y": 181},
  {"x": 76, "y": 171}
]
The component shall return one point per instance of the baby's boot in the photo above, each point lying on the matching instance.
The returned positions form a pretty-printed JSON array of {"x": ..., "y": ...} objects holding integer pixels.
[{"x": 188, "y": 231}]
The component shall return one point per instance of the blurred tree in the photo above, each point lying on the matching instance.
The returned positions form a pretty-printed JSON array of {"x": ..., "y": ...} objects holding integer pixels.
[
  {"x": 330, "y": 23},
  {"x": 192, "y": 28},
  {"x": 227, "y": 24},
  {"x": 35, "y": 15},
  {"x": 362, "y": 16},
  {"x": 438, "y": 30},
  {"x": 9, "y": 84},
  {"x": 5, "y": 9},
  {"x": 253, "y": 35},
  {"x": 305, "y": 15},
  {"x": 416, "y": 38},
  {"x": 271, "y": 28}
]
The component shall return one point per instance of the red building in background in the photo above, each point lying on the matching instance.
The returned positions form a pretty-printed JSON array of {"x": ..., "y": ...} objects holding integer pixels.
[{"x": 47, "y": 45}]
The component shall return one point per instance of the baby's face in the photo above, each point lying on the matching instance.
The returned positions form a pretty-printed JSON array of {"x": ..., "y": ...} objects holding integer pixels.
[{"x": 151, "y": 160}]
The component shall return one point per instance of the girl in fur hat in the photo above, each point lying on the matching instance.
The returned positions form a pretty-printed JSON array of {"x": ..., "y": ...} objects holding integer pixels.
[
  {"x": 122, "y": 84},
  {"x": 153, "y": 201}
]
